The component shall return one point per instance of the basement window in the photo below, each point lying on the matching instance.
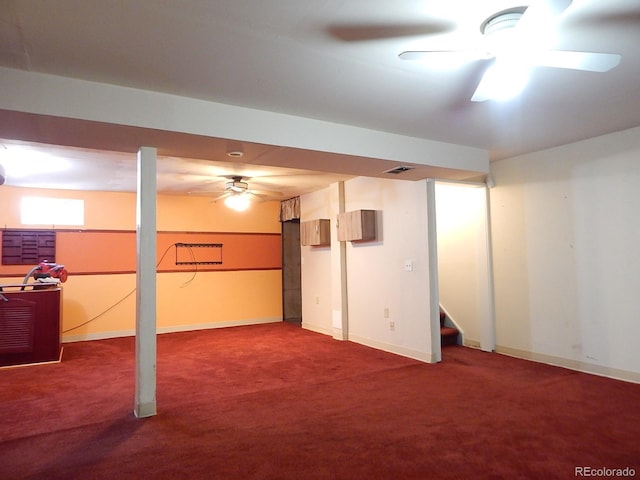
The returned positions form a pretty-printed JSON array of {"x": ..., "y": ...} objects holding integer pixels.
[{"x": 51, "y": 211}]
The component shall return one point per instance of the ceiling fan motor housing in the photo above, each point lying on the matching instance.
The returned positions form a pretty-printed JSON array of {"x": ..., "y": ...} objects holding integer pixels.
[
  {"x": 237, "y": 185},
  {"x": 502, "y": 20}
]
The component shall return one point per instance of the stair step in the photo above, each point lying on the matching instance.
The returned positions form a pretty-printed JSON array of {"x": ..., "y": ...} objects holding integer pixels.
[
  {"x": 448, "y": 335},
  {"x": 448, "y": 331}
]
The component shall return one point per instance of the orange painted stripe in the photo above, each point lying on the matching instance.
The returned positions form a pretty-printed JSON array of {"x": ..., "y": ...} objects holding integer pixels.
[{"x": 108, "y": 251}]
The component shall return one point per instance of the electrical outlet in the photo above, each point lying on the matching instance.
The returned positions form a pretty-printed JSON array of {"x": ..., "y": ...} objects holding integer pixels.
[{"x": 392, "y": 325}]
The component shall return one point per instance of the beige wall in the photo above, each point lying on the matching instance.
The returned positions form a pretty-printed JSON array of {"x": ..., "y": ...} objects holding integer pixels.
[
  {"x": 565, "y": 245},
  {"x": 565, "y": 259}
]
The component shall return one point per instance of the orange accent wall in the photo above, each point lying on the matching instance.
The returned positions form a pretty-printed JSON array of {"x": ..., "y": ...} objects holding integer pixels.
[
  {"x": 115, "y": 252},
  {"x": 99, "y": 252},
  {"x": 99, "y": 299},
  {"x": 117, "y": 211}
]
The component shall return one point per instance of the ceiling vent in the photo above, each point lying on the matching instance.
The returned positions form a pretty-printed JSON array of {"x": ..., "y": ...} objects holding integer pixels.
[{"x": 400, "y": 169}]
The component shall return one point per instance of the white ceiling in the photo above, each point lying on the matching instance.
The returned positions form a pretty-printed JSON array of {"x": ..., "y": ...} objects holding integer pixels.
[
  {"x": 332, "y": 60},
  {"x": 36, "y": 165}
]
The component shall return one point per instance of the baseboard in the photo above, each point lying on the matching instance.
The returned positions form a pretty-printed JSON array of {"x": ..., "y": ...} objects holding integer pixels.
[
  {"x": 339, "y": 334},
  {"x": 207, "y": 326},
  {"x": 471, "y": 343},
  {"x": 98, "y": 336},
  {"x": 172, "y": 329},
  {"x": 20, "y": 365},
  {"x": 317, "y": 328},
  {"x": 614, "y": 373},
  {"x": 386, "y": 347},
  {"x": 145, "y": 410}
]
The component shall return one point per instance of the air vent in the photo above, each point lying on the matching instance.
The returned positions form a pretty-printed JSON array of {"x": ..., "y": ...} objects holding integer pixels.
[{"x": 400, "y": 169}]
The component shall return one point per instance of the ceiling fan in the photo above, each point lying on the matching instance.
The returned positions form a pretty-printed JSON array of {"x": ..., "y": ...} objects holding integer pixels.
[
  {"x": 513, "y": 43},
  {"x": 237, "y": 194}
]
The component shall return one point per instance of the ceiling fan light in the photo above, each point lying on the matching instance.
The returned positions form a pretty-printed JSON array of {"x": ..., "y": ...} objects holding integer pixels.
[
  {"x": 22, "y": 162},
  {"x": 238, "y": 202},
  {"x": 502, "y": 81}
]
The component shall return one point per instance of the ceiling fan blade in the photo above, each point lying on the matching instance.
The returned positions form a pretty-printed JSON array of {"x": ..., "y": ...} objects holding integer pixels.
[
  {"x": 548, "y": 8},
  {"x": 270, "y": 193},
  {"x": 540, "y": 15},
  {"x": 589, "y": 61},
  {"x": 220, "y": 197},
  {"x": 364, "y": 32},
  {"x": 443, "y": 58},
  {"x": 482, "y": 93},
  {"x": 628, "y": 18}
]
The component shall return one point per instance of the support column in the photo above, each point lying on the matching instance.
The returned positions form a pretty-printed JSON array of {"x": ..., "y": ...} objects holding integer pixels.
[
  {"x": 488, "y": 321},
  {"x": 145, "y": 391},
  {"x": 434, "y": 294},
  {"x": 339, "y": 299}
]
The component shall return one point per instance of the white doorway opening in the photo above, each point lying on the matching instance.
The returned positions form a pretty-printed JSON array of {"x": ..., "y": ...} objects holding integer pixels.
[{"x": 464, "y": 270}]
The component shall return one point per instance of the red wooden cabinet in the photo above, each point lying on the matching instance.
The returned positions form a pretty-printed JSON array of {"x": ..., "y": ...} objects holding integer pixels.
[{"x": 29, "y": 325}]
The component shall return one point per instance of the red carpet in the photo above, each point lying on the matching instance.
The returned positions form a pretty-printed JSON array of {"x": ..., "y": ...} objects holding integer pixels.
[{"x": 278, "y": 402}]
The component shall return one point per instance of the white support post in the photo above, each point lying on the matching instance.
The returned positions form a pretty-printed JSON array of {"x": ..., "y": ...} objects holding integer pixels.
[
  {"x": 488, "y": 320},
  {"x": 145, "y": 391},
  {"x": 434, "y": 293},
  {"x": 339, "y": 297}
]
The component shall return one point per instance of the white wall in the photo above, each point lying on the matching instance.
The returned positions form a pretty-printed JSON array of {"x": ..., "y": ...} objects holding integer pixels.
[
  {"x": 566, "y": 238},
  {"x": 376, "y": 278},
  {"x": 316, "y": 267}
]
